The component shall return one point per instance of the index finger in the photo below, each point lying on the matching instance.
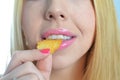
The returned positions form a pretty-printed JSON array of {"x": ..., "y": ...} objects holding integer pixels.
[{"x": 20, "y": 57}]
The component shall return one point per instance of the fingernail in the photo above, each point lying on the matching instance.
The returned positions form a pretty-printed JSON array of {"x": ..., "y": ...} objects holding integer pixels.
[{"x": 45, "y": 51}]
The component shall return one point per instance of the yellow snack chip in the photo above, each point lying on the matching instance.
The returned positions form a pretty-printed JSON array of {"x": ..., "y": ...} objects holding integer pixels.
[{"x": 53, "y": 45}]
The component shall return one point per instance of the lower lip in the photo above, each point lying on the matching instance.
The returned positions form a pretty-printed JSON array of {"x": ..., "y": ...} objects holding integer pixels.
[{"x": 66, "y": 44}]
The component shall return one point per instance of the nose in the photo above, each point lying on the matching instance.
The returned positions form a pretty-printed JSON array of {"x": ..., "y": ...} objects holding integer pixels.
[{"x": 55, "y": 11}]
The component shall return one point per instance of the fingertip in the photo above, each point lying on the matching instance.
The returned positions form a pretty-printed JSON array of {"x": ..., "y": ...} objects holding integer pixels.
[{"x": 45, "y": 51}]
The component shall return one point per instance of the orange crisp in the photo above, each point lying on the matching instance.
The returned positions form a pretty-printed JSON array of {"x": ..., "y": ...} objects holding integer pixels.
[{"x": 53, "y": 45}]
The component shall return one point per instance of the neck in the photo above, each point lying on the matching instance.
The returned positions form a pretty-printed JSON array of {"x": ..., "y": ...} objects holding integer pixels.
[{"x": 73, "y": 72}]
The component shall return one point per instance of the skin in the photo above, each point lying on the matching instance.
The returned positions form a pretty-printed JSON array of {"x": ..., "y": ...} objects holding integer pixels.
[{"x": 77, "y": 16}]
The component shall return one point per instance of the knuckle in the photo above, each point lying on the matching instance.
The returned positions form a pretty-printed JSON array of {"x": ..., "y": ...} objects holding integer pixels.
[
  {"x": 16, "y": 54},
  {"x": 29, "y": 66},
  {"x": 33, "y": 77}
]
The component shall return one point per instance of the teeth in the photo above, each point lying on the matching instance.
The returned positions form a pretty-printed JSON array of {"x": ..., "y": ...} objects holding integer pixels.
[{"x": 58, "y": 37}]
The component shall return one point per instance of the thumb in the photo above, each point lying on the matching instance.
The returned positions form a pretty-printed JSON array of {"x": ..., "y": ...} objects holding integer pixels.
[{"x": 45, "y": 66}]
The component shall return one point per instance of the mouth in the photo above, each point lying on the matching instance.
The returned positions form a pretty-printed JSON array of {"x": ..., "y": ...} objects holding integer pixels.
[
  {"x": 58, "y": 34},
  {"x": 63, "y": 34}
]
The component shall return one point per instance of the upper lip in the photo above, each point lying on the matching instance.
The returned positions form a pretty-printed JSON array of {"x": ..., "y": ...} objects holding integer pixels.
[{"x": 62, "y": 31}]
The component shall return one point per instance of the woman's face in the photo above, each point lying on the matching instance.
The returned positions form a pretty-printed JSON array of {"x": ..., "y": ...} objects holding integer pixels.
[{"x": 70, "y": 20}]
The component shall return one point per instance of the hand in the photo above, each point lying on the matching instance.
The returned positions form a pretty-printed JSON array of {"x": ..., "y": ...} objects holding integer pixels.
[{"x": 21, "y": 66}]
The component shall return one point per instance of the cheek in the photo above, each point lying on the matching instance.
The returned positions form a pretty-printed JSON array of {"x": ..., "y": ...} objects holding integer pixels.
[
  {"x": 85, "y": 19},
  {"x": 31, "y": 22},
  {"x": 86, "y": 23},
  {"x": 30, "y": 27}
]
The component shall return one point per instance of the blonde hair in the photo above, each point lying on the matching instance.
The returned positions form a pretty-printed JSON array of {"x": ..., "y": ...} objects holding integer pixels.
[
  {"x": 17, "y": 42},
  {"x": 103, "y": 61}
]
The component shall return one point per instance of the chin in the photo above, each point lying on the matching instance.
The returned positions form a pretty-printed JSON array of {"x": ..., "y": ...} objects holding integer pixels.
[
  {"x": 60, "y": 62},
  {"x": 63, "y": 61}
]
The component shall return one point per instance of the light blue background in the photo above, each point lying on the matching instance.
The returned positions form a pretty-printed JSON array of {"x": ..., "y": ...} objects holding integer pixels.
[{"x": 117, "y": 5}]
